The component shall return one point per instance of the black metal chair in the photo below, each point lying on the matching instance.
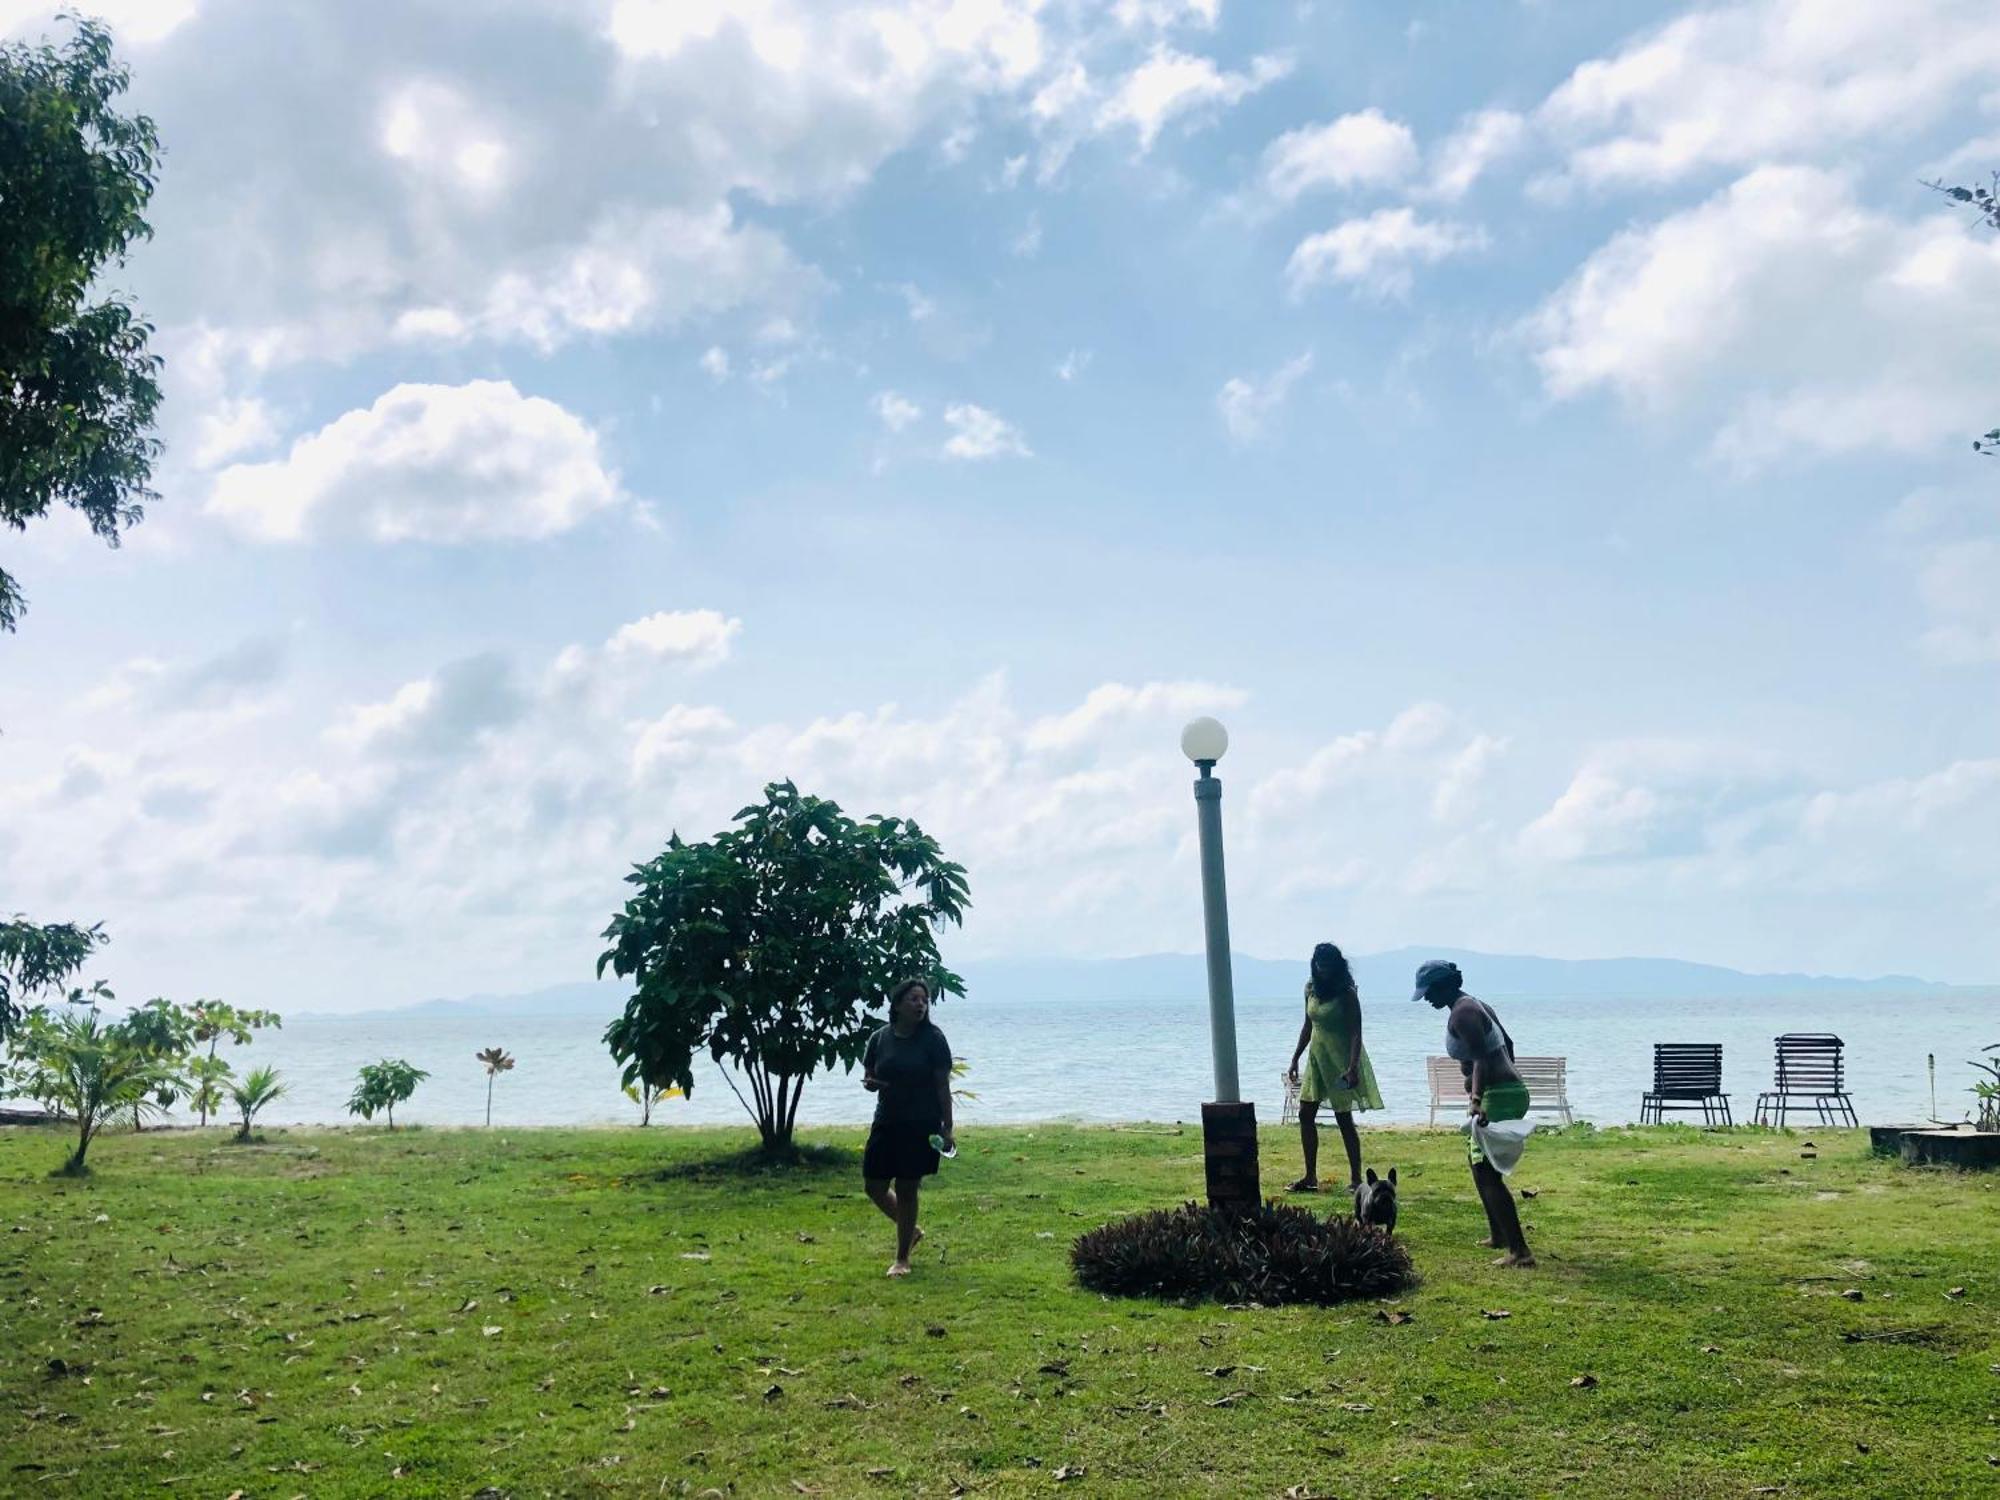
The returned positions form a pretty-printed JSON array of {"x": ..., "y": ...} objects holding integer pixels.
[
  {"x": 1686, "y": 1076},
  {"x": 1809, "y": 1077}
]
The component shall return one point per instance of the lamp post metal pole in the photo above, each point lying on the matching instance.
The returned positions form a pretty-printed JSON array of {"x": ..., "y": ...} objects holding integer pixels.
[{"x": 1215, "y": 912}]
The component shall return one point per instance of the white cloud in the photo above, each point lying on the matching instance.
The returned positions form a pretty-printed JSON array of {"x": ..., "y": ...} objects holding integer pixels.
[
  {"x": 440, "y": 135},
  {"x": 896, "y": 412},
  {"x": 131, "y": 22},
  {"x": 715, "y": 363},
  {"x": 1028, "y": 243},
  {"x": 1749, "y": 83},
  {"x": 1661, "y": 799},
  {"x": 1377, "y": 253},
  {"x": 1481, "y": 140},
  {"x": 677, "y": 735},
  {"x": 1117, "y": 704},
  {"x": 429, "y": 463},
  {"x": 1073, "y": 364},
  {"x": 1172, "y": 84},
  {"x": 1365, "y": 149},
  {"x": 979, "y": 434},
  {"x": 1248, "y": 406},
  {"x": 1724, "y": 308},
  {"x": 694, "y": 637},
  {"x": 659, "y": 271}
]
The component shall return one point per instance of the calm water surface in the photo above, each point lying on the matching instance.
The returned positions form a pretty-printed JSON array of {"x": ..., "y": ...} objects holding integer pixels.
[{"x": 1100, "y": 1061}]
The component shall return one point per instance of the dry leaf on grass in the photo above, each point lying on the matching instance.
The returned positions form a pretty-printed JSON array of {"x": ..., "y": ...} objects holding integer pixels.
[
  {"x": 1231, "y": 1399},
  {"x": 1393, "y": 1319},
  {"x": 1495, "y": 1312},
  {"x": 1584, "y": 1382},
  {"x": 1070, "y": 1471}
]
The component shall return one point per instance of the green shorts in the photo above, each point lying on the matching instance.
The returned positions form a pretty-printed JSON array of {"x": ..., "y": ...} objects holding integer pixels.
[{"x": 1501, "y": 1101}]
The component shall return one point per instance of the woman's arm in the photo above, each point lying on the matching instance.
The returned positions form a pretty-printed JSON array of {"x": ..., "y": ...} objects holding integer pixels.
[
  {"x": 1305, "y": 1035},
  {"x": 1475, "y": 1078},
  {"x": 944, "y": 1105}
]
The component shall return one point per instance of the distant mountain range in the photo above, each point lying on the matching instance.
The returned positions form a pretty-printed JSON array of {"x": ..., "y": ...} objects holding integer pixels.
[{"x": 1166, "y": 976}]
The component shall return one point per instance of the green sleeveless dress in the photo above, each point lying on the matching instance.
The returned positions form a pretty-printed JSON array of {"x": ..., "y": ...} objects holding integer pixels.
[{"x": 1326, "y": 1060}]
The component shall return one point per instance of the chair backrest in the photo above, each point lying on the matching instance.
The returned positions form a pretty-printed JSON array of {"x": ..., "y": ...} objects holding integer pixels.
[
  {"x": 1687, "y": 1069},
  {"x": 1544, "y": 1075},
  {"x": 1446, "y": 1080},
  {"x": 1809, "y": 1062}
]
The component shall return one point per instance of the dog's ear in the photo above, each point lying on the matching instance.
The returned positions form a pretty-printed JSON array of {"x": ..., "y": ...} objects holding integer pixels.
[
  {"x": 1371, "y": 1177},
  {"x": 1392, "y": 1176}
]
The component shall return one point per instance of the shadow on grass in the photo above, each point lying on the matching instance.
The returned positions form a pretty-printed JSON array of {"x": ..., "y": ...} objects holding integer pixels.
[{"x": 756, "y": 1163}]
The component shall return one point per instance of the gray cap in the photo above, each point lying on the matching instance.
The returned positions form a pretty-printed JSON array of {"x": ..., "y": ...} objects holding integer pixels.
[{"x": 1433, "y": 972}]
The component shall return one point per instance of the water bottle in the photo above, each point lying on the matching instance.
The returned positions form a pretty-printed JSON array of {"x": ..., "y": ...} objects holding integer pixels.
[{"x": 937, "y": 1145}]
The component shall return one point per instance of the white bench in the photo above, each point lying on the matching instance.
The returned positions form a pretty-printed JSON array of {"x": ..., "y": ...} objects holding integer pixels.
[{"x": 1547, "y": 1079}]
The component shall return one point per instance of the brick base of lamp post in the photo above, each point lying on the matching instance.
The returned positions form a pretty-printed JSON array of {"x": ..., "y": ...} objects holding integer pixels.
[{"x": 1229, "y": 1152}]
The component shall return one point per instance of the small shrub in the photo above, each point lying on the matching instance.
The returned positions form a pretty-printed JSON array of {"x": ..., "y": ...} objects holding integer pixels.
[{"x": 1271, "y": 1254}]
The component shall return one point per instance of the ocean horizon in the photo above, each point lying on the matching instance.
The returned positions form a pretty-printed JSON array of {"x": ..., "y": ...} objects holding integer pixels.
[{"x": 1108, "y": 1061}]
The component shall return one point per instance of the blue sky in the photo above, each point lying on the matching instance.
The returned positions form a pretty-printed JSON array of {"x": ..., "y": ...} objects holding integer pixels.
[{"x": 1540, "y": 431}]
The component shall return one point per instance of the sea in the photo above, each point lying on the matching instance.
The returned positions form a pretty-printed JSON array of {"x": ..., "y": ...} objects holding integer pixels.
[{"x": 1103, "y": 1061}]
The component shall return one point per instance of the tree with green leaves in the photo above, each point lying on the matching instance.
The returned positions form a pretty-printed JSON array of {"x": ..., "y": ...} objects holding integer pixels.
[
  {"x": 85, "y": 1070},
  {"x": 382, "y": 1086},
  {"x": 165, "y": 1032},
  {"x": 259, "y": 1087},
  {"x": 769, "y": 945},
  {"x": 38, "y": 960},
  {"x": 78, "y": 384},
  {"x": 212, "y": 1020}
]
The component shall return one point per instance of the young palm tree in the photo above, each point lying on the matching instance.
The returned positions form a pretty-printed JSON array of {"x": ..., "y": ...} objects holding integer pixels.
[
  {"x": 258, "y": 1088},
  {"x": 497, "y": 1062}
]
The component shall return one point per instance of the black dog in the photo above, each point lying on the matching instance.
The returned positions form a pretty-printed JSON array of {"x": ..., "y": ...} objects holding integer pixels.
[{"x": 1375, "y": 1201}]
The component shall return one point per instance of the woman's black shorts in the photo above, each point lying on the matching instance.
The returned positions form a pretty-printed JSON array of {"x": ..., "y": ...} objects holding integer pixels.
[{"x": 899, "y": 1150}]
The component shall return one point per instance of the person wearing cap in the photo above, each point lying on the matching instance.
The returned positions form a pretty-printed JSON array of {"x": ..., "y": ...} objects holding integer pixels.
[
  {"x": 1474, "y": 1037},
  {"x": 1338, "y": 1074}
]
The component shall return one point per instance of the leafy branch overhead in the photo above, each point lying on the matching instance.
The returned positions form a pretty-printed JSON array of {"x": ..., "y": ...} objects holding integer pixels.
[
  {"x": 1985, "y": 202},
  {"x": 78, "y": 385},
  {"x": 769, "y": 945}
]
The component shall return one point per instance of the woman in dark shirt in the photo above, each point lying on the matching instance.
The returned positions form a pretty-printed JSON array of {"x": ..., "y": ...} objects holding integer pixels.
[{"x": 908, "y": 1068}]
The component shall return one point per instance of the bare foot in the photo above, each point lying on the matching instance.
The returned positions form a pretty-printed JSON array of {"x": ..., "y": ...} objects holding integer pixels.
[
  {"x": 1304, "y": 1185},
  {"x": 1516, "y": 1262},
  {"x": 900, "y": 1268},
  {"x": 1489, "y": 1243}
]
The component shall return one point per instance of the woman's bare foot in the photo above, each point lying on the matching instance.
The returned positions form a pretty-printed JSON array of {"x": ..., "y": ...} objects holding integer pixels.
[
  {"x": 1304, "y": 1185},
  {"x": 1489, "y": 1243},
  {"x": 900, "y": 1268},
  {"x": 1514, "y": 1262}
]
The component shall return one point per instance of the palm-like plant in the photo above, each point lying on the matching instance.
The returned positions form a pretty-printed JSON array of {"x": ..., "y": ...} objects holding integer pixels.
[
  {"x": 497, "y": 1062},
  {"x": 86, "y": 1070},
  {"x": 258, "y": 1088},
  {"x": 646, "y": 1095}
]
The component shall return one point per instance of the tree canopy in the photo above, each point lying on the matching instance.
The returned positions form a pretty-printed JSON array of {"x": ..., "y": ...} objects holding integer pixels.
[
  {"x": 78, "y": 385},
  {"x": 37, "y": 959},
  {"x": 768, "y": 945}
]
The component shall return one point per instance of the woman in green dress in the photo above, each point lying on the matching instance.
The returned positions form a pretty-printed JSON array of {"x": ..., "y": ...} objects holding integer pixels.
[{"x": 1338, "y": 1073}]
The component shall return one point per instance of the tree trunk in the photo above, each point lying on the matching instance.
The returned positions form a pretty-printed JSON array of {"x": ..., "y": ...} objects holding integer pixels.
[{"x": 489, "y": 1101}]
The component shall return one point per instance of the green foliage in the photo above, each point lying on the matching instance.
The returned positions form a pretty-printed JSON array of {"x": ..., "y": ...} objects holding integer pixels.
[
  {"x": 210, "y": 1021},
  {"x": 208, "y": 1083},
  {"x": 78, "y": 387},
  {"x": 1271, "y": 1255},
  {"x": 86, "y": 1070},
  {"x": 258, "y": 1088},
  {"x": 768, "y": 945},
  {"x": 165, "y": 1032},
  {"x": 1986, "y": 1092},
  {"x": 36, "y": 960},
  {"x": 645, "y": 1095},
  {"x": 382, "y": 1086}
]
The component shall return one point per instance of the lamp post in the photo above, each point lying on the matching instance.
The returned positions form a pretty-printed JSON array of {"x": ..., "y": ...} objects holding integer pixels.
[{"x": 1228, "y": 1123}]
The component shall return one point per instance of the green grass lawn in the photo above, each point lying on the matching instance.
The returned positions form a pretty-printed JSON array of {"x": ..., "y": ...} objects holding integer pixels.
[{"x": 570, "y": 1312}]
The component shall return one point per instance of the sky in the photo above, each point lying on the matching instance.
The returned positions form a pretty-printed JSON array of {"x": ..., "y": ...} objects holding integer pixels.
[{"x": 1540, "y": 431}]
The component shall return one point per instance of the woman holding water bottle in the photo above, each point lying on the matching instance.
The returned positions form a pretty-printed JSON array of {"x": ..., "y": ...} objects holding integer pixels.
[{"x": 907, "y": 1066}]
